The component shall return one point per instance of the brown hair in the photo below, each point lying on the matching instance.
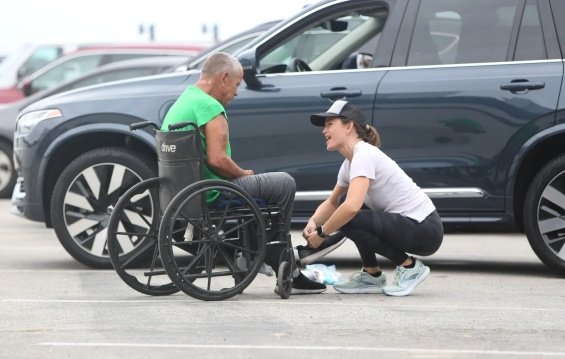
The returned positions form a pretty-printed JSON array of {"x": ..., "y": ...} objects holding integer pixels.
[{"x": 367, "y": 133}]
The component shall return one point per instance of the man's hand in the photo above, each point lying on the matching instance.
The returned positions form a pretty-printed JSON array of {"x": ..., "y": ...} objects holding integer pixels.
[{"x": 248, "y": 173}]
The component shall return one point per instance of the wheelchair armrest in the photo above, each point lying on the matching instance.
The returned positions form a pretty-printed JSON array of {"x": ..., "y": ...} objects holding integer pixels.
[
  {"x": 138, "y": 125},
  {"x": 179, "y": 125}
]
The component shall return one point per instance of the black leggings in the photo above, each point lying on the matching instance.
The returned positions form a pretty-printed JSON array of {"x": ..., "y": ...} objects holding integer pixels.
[{"x": 391, "y": 235}]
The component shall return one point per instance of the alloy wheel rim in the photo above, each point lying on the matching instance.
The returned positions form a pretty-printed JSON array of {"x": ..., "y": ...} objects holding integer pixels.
[
  {"x": 6, "y": 170},
  {"x": 86, "y": 202},
  {"x": 551, "y": 215}
]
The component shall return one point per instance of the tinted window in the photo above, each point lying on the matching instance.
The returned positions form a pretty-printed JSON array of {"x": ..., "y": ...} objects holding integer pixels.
[
  {"x": 114, "y": 76},
  {"x": 65, "y": 71},
  {"x": 328, "y": 44},
  {"x": 462, "y": 31},
  {"x": 40, "y": 57},
  {"x": 558, "y": 8},
  {"x": 530, "y": 44},
  {"x": 121, "y": 57}
]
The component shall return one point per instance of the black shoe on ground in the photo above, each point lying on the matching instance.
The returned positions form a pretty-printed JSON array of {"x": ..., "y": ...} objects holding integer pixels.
[
  {"x": 304, "y": 285},
  {"x": 309, "y": 255}
]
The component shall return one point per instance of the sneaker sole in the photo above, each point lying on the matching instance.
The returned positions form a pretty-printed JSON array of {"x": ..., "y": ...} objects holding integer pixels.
[
  {"x": 321, "y": 253},
  {"x": 303, "y": 291},
  {"x": 414, "y": 284},
  {"x": 370, "y": 289}
]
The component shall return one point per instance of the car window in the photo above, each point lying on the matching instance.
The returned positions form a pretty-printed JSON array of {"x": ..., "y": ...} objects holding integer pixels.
[
  {"x": 65, "y": 71},
  {"x": 109, "y": 58},
  {"x": 328, "y": 44},
  {"x": 229, "y": 49},
  {"x": 558, "y": 9},
  {"x": 530, "y": 45},
  {"x": 119, "y": 74},
  {"x": 462, "y": 31},
  {"x": 39, "y": 58}
]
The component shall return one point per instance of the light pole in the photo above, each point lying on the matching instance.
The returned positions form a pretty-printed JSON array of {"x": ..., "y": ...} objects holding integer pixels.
[{"x": 150, "y": 30}]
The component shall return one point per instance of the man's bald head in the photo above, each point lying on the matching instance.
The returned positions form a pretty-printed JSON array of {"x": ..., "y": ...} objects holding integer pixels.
[{"x": 220, "y": 63}]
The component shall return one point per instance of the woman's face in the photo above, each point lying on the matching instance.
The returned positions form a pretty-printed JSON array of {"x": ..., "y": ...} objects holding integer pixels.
[{"x": 335, "y": 132}]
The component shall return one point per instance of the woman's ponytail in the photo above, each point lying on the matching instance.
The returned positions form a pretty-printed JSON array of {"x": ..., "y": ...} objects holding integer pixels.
[{"x": 368, "y": 134}]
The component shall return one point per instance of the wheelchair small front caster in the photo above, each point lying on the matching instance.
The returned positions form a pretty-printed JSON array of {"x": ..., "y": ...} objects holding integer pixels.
[{"x": 284, "y": 281}]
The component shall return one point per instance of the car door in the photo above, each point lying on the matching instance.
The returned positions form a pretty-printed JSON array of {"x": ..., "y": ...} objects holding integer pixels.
[
  {"x": 473, "y": 79},
  {"x": 270, "y": 127}
]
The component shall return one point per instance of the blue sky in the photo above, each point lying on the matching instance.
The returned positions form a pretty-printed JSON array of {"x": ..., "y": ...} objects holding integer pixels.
[{"x": 61, "y": 21}]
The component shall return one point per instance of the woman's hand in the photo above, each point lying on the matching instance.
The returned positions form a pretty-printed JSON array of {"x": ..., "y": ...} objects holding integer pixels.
[
  {"x": 314, "y": 240},
  {"x": 310, "y": 227}
]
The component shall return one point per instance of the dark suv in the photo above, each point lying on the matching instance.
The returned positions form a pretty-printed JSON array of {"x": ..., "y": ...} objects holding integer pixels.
[{"x": 466, "y": 96}]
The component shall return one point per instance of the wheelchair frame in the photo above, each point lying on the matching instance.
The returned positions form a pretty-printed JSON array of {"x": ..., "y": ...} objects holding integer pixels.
[{"x": 165, "y": 236}]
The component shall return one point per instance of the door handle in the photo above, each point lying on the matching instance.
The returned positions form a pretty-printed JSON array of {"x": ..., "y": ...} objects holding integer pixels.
[
  {"x": 336, "y": 94},
  {"x": 522, "y": 86}
]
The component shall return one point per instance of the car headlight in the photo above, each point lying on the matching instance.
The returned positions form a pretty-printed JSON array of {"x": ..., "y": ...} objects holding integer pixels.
[{"x": 28, "y": 121}]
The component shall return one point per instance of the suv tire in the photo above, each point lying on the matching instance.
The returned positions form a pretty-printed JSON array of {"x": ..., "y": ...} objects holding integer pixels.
[
  {"x": 544, "y": 211},
  {"x": 7, "y": 172},
  {"x": 81, "y": 197}
]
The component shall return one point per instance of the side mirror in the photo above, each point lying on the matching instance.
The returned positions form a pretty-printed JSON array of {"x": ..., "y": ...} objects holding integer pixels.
[
  {"x": 26, "y": 88},
  {"x": 248, "y": 60},
  {"x": 364, "y": 60}
]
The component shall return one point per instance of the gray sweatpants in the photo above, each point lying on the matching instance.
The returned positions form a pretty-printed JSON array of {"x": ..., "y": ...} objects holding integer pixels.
[{"x": 276, "y": 188}]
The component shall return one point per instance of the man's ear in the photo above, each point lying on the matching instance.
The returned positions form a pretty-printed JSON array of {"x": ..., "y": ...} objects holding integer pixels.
[{"x": 225, "y": 76}]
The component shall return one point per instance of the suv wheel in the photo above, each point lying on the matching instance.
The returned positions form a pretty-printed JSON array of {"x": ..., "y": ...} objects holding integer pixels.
[
  {"x": 84, "y": 191},
  {"x": 7, "y": 172},
  {"x": 544, "y": 215}
]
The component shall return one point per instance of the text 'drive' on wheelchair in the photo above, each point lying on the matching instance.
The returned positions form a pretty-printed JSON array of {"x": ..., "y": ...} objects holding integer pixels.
[{"x": 179, "y": 231}]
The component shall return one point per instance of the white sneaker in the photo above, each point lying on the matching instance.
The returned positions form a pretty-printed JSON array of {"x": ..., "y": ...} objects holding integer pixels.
[
  {"x": 264, "y": 269},
  {"x": 406, "y": 279},
  {"x": 361, "y": 282}
]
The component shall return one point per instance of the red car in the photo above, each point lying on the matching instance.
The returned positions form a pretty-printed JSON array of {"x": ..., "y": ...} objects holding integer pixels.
[{"x": 52, "y": 65}]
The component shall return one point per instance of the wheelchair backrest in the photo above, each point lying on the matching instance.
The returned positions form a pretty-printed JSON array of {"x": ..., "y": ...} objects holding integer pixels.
[{"x": 181, "y": 163}]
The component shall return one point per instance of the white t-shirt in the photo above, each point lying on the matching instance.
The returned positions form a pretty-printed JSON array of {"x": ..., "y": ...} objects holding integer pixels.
[{"x": 390, "y": 188}]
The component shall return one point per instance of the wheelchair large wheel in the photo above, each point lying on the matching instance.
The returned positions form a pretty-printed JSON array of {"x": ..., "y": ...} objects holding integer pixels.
[
  {"x": 132, "y": 240},
  {"x": 227, "y": 246}
]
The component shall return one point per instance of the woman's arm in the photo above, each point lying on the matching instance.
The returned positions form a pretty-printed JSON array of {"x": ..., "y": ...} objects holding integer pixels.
[
  {"x": 324, "y": 210},
  {"x": 356, "y": 193}
]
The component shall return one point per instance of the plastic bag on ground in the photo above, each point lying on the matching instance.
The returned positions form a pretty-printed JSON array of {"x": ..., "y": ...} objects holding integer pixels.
[{"x": 322, "y": 273}]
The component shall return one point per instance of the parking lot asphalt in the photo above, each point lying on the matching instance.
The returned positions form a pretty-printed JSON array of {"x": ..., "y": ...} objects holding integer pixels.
[{"x": 487, "y": 296}]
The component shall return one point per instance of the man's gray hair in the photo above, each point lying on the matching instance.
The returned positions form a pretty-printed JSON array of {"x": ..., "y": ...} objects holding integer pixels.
[{"x": 219, "y": 63}]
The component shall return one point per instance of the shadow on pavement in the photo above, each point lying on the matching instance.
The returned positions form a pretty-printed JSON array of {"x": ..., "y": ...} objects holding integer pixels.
[{"x": 449, "y": 265}]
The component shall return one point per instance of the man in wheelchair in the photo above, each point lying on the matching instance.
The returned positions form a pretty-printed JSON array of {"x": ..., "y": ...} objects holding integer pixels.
[{"x": 204, "y": 103}]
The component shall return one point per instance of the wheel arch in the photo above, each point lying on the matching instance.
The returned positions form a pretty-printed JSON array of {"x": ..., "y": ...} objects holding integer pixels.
[
  {"x": 81, "y": 139},
  {"x": 534, "y": 154}
]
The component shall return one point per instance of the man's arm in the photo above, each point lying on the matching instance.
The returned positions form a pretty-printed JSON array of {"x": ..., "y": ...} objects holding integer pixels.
[{"x": 217, "y": 134}]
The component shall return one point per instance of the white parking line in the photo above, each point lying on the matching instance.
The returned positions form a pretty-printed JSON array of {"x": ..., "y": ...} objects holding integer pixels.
[
  {"x": 311, "y": 348},
  {"x": 278, "y": 302}
]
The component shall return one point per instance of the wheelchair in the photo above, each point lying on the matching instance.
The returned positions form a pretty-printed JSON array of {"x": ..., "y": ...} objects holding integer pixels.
[{"x": 178, "y": 231}]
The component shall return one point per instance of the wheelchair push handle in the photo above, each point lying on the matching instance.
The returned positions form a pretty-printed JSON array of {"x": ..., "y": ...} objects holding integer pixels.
[
  {"x": 179, "y": 125},
  {"x": 138, "y": 125}
]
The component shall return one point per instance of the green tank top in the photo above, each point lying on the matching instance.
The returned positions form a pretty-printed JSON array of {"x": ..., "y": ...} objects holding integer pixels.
[{"x": 197, "y": 106}]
